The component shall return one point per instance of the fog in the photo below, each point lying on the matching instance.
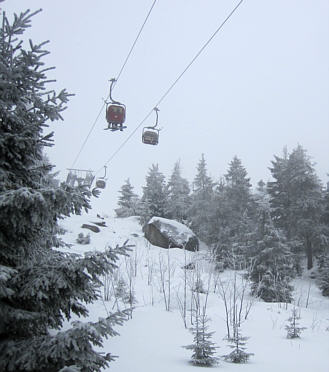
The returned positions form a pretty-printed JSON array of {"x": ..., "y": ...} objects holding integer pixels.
[{"x": 261, "y": 84}]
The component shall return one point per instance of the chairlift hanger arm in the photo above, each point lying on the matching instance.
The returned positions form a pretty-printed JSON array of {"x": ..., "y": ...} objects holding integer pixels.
[
  {"x": 113, "y": 81},
  {"x": 104, "y": 172},
  {"x": 156, "y": 120}
]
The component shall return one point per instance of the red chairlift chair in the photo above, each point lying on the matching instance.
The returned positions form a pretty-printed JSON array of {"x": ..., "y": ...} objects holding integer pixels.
[{"x": 115, "y": 112}]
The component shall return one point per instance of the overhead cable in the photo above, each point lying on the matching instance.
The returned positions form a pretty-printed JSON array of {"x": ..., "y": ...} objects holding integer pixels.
[
  {"x": 175, "y": 82},
  {"x": 118, "y": 76}
]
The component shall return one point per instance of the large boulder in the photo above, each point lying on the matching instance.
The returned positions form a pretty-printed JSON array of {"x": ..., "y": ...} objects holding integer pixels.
[{"x": 170, "y": 234}]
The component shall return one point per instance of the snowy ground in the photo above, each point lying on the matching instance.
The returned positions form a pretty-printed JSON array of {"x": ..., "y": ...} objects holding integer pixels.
[{"x": 152, "y": 340}]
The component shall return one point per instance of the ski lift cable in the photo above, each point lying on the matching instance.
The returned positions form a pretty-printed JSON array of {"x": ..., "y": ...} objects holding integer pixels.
[
  {"x": 134, "y": 43},
  {"x": 116, "y": 80},
  {"x": 199, "y": 53},
  {"x": 174, "y": 83}
]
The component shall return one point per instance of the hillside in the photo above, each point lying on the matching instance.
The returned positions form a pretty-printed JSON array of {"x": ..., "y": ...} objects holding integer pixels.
[{"x": 152, "y": 340}]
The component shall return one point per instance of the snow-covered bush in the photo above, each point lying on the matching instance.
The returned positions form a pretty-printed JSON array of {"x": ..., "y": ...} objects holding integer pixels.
[
  {"x": 199, "y": 286},
  {"x": 84, "y": 240}
]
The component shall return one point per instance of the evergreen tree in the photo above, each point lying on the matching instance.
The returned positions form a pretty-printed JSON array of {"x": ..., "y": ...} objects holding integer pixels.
[
  {"x": 293, "y": 329},
  {"x": 272, "y": 262},
  {"x": 235, "y": 217},
  {"x": 154, "y": 197},
  {"x": 323, "y": 259},
  {"x": 323, "y": 280},
  {"x": 200, "y": 213},
  {"x": 40, "y": 287},
  {"x": 238, "y": 355},
  {"x": 202, "y": 183},
  {"x": 203, "y": 348},
  {"x": 296, "y": 200},
  {"x": 325, "y": 214},
  {"x": 178, "y": 195},
  {"x": 128, "y": 201}
]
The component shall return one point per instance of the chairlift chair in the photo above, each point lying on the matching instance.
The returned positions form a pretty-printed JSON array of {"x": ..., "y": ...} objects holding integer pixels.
[
  {"x": 100, "y": 184},
  {"x": 101, "y": 181},
  {"x": 81, "y": 177},
  {"x": 115, "y": 112},
  {"x": 150, "y": 135}
]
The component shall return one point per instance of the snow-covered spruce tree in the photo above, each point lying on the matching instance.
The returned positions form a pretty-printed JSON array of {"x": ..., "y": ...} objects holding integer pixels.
[
  {"x": 323, "y": 280},
  {"x": 296, "y": 200},
  {"x": 129, "y": 204},
  {"x": 154, "y": 199},
  {"x": 293, "y": 329},
  {"x": 201, "y": 210},
  {"x": 235, "y": 217},
  {"x": 272, "y": 263},
  {"x": 203, "y": 348},
  {"x": 323, "y": 259},
  {"x": 178, "y": 195},
  {"x": 124, "y": 293},
  {"x": 39, "y": 286},
  {"x": 238, "y": 355}
]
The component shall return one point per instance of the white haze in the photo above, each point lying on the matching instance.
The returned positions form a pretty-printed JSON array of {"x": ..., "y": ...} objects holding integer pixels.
[{"x": 262, "y": 84}]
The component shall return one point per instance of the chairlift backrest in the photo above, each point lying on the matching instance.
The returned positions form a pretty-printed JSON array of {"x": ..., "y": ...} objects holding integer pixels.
[
  {"x": 115, "y": 114},
  {"x": 150, "y": 136},
  {"x": 80, "y": 177},
  {"x": 71, "y": 178},
  {"x": 100, "y": 183}
]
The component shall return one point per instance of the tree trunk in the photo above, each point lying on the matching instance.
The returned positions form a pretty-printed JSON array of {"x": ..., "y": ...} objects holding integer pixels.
[{"x": 309, "y": 253}]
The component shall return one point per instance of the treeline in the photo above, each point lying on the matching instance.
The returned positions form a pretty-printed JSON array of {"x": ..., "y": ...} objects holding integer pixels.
[{"x": 273, "y": 231}]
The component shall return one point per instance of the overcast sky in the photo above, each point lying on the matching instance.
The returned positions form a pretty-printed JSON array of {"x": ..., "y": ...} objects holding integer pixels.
[{"x": 261, "y": 84}]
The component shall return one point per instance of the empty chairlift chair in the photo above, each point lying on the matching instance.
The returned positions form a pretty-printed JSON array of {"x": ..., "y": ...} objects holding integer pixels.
[
  {"x": 115, "y": 112},
  {"x": 80, "y": 177},
  {"x": 150, "y": 135},
  {"x": 101, "y": 181}
]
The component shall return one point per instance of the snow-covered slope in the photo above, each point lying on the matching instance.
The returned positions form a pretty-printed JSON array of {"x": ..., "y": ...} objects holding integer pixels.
[{"x": 152, "y": 340}]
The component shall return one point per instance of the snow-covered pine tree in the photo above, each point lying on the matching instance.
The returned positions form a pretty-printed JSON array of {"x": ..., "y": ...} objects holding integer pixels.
[
  {"x": 272, "y": 263},
  {"x": 323, "y": 280},
  {"x": 296, "y": 200},
  {"x": 154, "y": 199},
  {"x": 203, "y": 348},
  {"x": 40, "y": 287},
  {"x": 323, "y": 259},
  {"x": 238, "y": 355},
  {"x": 235, "y": 217},
  {"x": 129, "y": 204},
  {"x": 201, "y": 210},
  {"x": 293, "y": 329},
  {"x": 178, "y": 195}
]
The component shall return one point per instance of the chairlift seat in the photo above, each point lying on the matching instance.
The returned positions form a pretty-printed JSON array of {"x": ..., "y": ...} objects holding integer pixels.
[
  {"x": 100, "y": 183},
  {"x": 115, "y": 114},
  {"x": 150, "y": 137}
]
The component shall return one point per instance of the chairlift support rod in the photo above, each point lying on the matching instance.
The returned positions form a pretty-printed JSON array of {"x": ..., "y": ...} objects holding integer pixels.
[
  {"x": 104, "y": 171},
  {"x": 113, "y": 81},
  {"x": 156, "y": 120}
]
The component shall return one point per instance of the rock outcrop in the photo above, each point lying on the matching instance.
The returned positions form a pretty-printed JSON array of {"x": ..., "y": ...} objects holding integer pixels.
[{"x": 170, "y": 234}]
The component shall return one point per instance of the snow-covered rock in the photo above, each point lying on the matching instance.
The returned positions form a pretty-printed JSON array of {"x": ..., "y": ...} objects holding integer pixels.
[{"x": 170, "y": 234}]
